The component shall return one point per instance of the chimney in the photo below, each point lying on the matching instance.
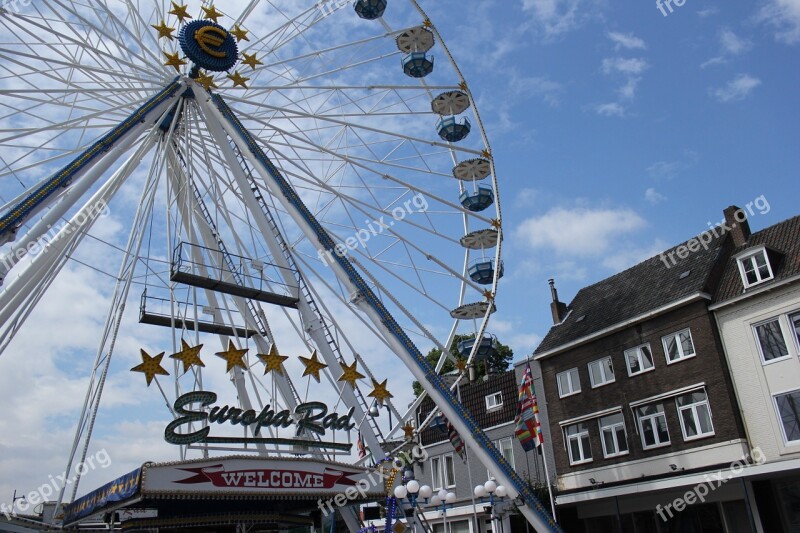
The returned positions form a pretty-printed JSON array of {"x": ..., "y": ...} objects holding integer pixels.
[
  {"x": 559, "y": 309},
  {"x": 738, "y": 226}
]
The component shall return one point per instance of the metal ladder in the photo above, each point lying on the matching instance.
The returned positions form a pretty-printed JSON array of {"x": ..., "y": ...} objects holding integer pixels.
[
  {"x": 303, "y": 287},
  {"x": 257, "y": 313}
]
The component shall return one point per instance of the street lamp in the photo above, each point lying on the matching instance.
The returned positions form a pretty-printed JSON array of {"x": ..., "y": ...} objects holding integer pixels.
[
  {"x": 493, "y": 490},
  {"x": 412, "y": 491},
  {"x": 443, "y": 499}
]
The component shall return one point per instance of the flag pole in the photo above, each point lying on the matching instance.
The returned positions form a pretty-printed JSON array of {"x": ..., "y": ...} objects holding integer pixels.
[{"x": 546, "y": 471}]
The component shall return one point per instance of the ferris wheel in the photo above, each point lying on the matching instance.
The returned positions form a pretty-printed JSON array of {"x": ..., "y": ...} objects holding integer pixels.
[{"x": 303, "y": 194}]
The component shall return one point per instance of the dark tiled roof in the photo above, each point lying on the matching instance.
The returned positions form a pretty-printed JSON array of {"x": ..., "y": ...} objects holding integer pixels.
[
  {"x": 647, "y": 286},
  {"x": 473, "y": 398},
  {"x": 783, "y": 238}
]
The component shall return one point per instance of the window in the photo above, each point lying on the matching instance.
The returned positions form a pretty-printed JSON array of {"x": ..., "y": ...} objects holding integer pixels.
[
  {"x": 612, "y": 435},
  {"x": 794, "y": 320},
  {"x": 771, "y": 341},
  {"x": 436, "y": 472},
  {"x": 653, "y": 425},
  {"x": 755, "y": 268},
  {"x": 449, "y": 471},
  {"x": 443, "y": 472},
  {"x": 578, "y": 444},
  {"x": 506, "y": 448},
  {"x": 461, "y": 526},
  {"x": 568, "y": 383},
  {"x": 639, "y": 359},
  {"x": 493, "y": 401},
  {"x": 601, "y": 372},
  {"x": 695, "y": 415},
  {"x": 789, "y": 415},
  {"x": 678, "y": 346}
]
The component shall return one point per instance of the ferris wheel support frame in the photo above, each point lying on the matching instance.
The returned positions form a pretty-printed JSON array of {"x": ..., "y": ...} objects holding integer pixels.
[
  {"x": 216, "y": 111},
  {"x": 310, "y": 320}
]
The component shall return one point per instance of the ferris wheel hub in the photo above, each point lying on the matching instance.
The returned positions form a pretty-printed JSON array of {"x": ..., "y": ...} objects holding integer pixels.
[{"x": 209, "y": 46}]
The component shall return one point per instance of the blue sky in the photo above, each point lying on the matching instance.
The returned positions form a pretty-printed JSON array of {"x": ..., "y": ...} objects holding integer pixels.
[{"x": 619, "y": 132}]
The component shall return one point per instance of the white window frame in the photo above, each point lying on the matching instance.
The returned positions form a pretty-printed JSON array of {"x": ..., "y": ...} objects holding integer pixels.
[
  {"x": 448, "y": 458},
  {"x": 613, "y": 428},
  {"x": 750, "y": 256},
  {"x": 794, "y": 332},
  {"x": 639, "y": 356},
  {"x": 681, "y": 356},
  {"x": 500, "y": 444},
  {"x": 579, "y": 436},
  {"x": 693, "y": 407},
  {"x": 494, "y": 400},
  {"x": 574, "y": 391},
  {"x": 764, "y": 360},
  {"x": 640, "y": 419},
  {"x": 786, "y": 440},
  {"x": 602, "y": 371}
]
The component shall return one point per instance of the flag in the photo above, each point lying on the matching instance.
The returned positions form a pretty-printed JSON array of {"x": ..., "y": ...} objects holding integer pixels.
[
  {"x": 362, "y": 451},
  {"x": 452, "y": 434},
  {"x": 528, "y": 427}
]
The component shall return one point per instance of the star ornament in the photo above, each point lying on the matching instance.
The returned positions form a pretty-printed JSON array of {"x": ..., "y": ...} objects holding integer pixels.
[
  {"x": 206, "y": 82},
  {"x": 240, "y": 34},
  {"x": 313, "y": 366},
  {"x": 233, "y": 356},
  {"x": 379, "y": 392},
  {"x": 189, "y": 356},
  {"x": 408, "y": 429},
  {"x": 150, "y": 367},
  {"x": 461, "y": 364},
  {"x": 212, "y": 13},
  {"x": 182, "y": 12},
  {"x": 350, "y": 374},
  {"x": 273, "y": 361},
  {"x": 251, "y": 60},
  {"x": 164, "y": 30},
  {"x": 174, "y": 60},
  {"x": 238, "y": 79}
]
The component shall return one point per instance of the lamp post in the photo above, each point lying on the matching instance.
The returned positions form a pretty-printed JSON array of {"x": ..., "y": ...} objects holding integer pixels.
[
  {"x": 444, "y": 499},
  {"x": 411, "y": 490},
  {"x": 493, "y": 490}
]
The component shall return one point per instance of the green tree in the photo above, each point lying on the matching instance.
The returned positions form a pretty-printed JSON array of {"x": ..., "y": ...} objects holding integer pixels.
[{"x": 497, "y": 362}]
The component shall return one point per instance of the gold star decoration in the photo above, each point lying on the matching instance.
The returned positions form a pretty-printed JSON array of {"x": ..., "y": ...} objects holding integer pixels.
[
  {"x": 379, "y": 392},
  {"x": 182, "y": 12},
  {"x": 462, "y": 86},
  {"x": 233, "y": 356},
  {"x": 174, "y": 60},
  {"x": 150, "y": 367},
  {"x": 461, "y": 364},
  {"x": 206, "y": 82},
  {"x": 251, "y": 60},
  {"x": 408, "y": 429},
  {"x": 238, "y": 79},
  {"x": 164, "y": 30},
  {"x": 313, "y": 365},
  {"x": 487, "y": 154},
  {"x": 489, "y": 295},
  {"x": 350, "y": 374},
  {"x": 273, "y": 361},
  {"x": 189, "y": 356},
  {"x": 212, "y": 13},
  {"x": 496, "y": 224},
  {"x": 239, "y": 33}
]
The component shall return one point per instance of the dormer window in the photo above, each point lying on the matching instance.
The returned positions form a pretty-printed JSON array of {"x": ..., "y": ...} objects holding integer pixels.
[{"x": 755, "y": 268}]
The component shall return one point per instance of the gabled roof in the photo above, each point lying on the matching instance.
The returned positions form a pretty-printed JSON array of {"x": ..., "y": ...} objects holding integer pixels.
[
  {"x": 646, "y": 287},
  {"x": 782, "y": 242}
]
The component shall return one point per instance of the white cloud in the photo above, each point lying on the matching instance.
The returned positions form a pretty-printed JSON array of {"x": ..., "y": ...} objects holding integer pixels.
[
  {"x": 630, "y": 66},
  {"x": 626, "y": 40},
  {"x": 784, "y": 16},
  {"x": 703, "y": 13},
  {"x": 557, "y": 17},
  {"x": 737, "y": 89},
  {"x": 653, "y": 196},
  {"x": 579, "y": 232},
  {"x": 611, "y": 109},
  {"x": 627, "y": 257},
  {"x": 732, "y": 43}
]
